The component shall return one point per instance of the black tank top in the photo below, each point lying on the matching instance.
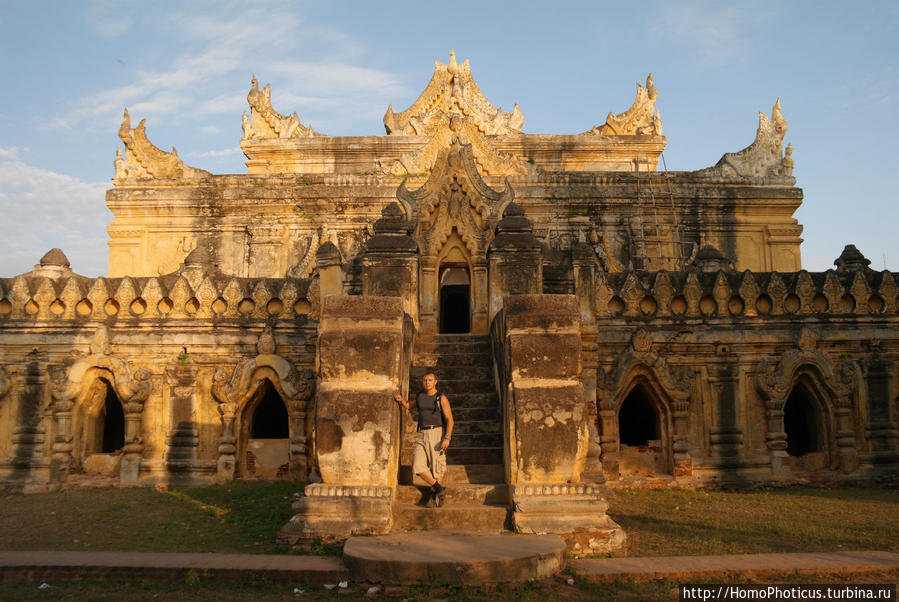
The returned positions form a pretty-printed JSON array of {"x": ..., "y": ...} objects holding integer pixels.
[{"x": 429, "y": 412}]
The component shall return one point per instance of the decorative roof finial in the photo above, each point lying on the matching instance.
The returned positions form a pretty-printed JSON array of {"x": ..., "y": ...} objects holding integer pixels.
[{"x": 452, "y": 64}]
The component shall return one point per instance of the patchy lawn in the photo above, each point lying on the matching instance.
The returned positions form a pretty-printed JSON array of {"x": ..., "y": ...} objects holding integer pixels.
[{"x": 666, "y": 522}]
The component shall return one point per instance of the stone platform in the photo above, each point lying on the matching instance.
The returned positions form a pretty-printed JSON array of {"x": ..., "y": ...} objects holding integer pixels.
[{"x": 454, "y": 557}]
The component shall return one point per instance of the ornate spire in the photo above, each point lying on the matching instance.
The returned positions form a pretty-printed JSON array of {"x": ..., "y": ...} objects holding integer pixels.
[
  {"x": 264, "y": 122},
  {"x": 144, "y": 160},
  {"x": 640, "y": 119},
  {"x": 452, "y": 90},
  {"x": 764, "y": 157}
]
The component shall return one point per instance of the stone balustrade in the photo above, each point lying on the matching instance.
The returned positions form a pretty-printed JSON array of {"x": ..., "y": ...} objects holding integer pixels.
[{"x": 174, "y": 296}]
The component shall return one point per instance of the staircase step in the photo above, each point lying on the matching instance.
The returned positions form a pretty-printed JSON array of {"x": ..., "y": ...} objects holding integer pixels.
[
  {"x": 470, "y": 517},
  {"x": 468, "y": 439},
  {"x": 438, "y": 359},
  {"x": 460, "y": 474},
  {"x": 463, "y": 413},
  {"x": 456, "y": 494},
  {"x": 491, "y": 425},
  {"x": 461, "y": 346},
  {"x": 450, "y": 386},
  {"x": 474, "y": 455},
  {"x": 446, "y": 371}
]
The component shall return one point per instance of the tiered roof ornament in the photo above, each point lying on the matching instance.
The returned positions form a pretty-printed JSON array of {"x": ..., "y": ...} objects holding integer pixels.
[
  {"x": 265, "y": 122},
  {"x": 764, "y": 157},
  {"x": 144, "y": 160},
  {"x": 452, "y": 109},
  {"x": 452, "y": 90},
  {"x": 640, "y": 119}
]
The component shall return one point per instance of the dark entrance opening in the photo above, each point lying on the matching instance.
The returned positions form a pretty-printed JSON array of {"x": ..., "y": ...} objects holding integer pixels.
[
  {"x": 270, "y": 416},
  {"x": 801, "y": 423},
  {"x": 638, "y": 421},
  {"x": 113, "y": 418},
  {"x": 455, "y": 294}
]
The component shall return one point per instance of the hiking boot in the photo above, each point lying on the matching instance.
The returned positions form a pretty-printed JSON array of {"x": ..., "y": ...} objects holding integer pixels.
[{"x": 439, "y": 494}]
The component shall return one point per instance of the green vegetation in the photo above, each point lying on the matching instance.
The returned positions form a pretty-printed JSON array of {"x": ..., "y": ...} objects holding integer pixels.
[
  {"x": 666, "y": 522},
  {"x": 237, "y": 517}
]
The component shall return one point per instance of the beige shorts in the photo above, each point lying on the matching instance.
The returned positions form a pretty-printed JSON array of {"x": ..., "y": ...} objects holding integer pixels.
[{"x": 427, "y": 456}]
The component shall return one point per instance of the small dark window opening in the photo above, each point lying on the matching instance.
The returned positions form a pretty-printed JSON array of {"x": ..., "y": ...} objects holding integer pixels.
[
  {"x": 270, "y": 416},
  {"x": 638, "y": 421},
  {"x": 801, "y": 424},
  {"x": 454, "y": 312},
  {"x": 113, "y": 423}
]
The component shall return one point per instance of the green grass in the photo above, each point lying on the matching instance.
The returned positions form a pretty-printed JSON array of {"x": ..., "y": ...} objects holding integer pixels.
[
  {"x": 801, "y": 519},
  {"x": 237, "y": 517},
  {"x": 551, "y": 589},
  {"x": 245, "y": 517}
]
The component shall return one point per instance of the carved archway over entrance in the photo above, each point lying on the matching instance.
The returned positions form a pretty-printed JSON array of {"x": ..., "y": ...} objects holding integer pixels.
[
  {"x": 640, "y": 368},
  {"x": 239, "y": 394},
  {"x": 82, "y": 395},
  {"x": 455, "y": 215},
  {"x": 828, "y": 390}
]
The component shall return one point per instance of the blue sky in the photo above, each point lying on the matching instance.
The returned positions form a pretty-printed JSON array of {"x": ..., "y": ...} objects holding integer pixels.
[{"x": 70, "y": 68}]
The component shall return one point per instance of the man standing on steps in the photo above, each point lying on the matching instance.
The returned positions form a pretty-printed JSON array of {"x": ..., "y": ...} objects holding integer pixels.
[{"x": 435, "y": 428}]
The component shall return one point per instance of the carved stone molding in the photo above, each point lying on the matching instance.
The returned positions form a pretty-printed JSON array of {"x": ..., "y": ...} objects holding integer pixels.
[
  {"x": 5, "y": 382},
  {"x": 775, "y": 381},
  {"x": 452, "y": 90},
  {"x": 764, "y": 157},
  {"x": 641, "y": 358},
  {"x": 234, "y": 391},
  {"x": 640, "y": 119},
  {"x": 264, "y": 122},
  {"x": 144, "y": 160},
  {"x": 455, "y": 196}
]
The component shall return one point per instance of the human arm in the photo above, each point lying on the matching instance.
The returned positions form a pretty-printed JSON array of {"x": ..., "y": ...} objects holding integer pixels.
[
  {"x": 401, "y": 401},
  {"x": 448, "y": 422}
]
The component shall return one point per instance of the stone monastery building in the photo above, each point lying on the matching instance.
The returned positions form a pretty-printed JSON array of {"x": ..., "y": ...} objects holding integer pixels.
[{"x": 593, "y": 321}]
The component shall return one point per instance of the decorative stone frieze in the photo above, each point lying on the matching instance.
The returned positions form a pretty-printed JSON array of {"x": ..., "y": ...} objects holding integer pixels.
[
  {"x": 143, "y": 160},
  {"x": 640, "y": 120},
  {"x": 764, "y": 157},
  {"x": 265, "y": 122},
  {"x": 242, "y": 387}
]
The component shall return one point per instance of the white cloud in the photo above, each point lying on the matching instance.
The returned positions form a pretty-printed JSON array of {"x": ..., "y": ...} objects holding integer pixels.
[
  {"x": 228, "y": 45},
  {"x": 9, "y": 153},
  {"x": 714, "y": 32},
  {"x": 52, "y": 210},
  {"x": 227, "y": 152}
]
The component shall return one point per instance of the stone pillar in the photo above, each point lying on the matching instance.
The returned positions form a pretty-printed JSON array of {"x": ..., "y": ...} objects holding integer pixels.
[
  {"x": 479, "y": 321},
  {"x": 364, "y": 357},
  {"x": 227, "y": 460},
  {"x": 129, "y": 470},
  {"x": 428, "y": 289},
  {"x": 847, "y": 453},
  {"x": 776, "y": 436},
  {"x": 183, "y": 436},
  {"x": 330, "y": 276},
  {"x": 882, "y": 430},
  {"x": 584, "y": 264},
  {"x": 515, "y": 260},
  {"x": 547, "y": 435},
  {"x": 726, "y": 436},
  {"x": 390, "y": 261}
]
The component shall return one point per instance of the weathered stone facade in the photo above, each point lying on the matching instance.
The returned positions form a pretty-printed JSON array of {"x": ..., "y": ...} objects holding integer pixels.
[{"x": 633, "y": 325}]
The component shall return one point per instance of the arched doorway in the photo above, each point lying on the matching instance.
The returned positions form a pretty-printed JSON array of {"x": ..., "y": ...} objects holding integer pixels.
[
  {"x": 455, "y": 298},
  {"x": 266, "y": 433},
  {"x": 804, "y": 425},
  {"x": 642, "y": 436},
  {"x": 101, "y": 421}
]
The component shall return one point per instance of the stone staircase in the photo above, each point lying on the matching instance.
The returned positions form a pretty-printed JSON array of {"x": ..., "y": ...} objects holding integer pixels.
[{"x": 477, "y": 497}]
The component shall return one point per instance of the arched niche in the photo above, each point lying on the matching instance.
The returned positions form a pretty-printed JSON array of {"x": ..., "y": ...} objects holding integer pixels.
[
  {"x": 807, "y": 424},
  {"x": 254, "y": 381},
  {"x": 264, "y": 441},
  {"x": 99, "y": 426},
  {"x": 644, "y": 431}
]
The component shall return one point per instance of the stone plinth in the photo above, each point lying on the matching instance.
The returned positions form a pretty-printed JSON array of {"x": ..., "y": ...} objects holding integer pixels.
[
  {"x": 547, "y": 429},
  {"x": 363, "y": 348}
]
